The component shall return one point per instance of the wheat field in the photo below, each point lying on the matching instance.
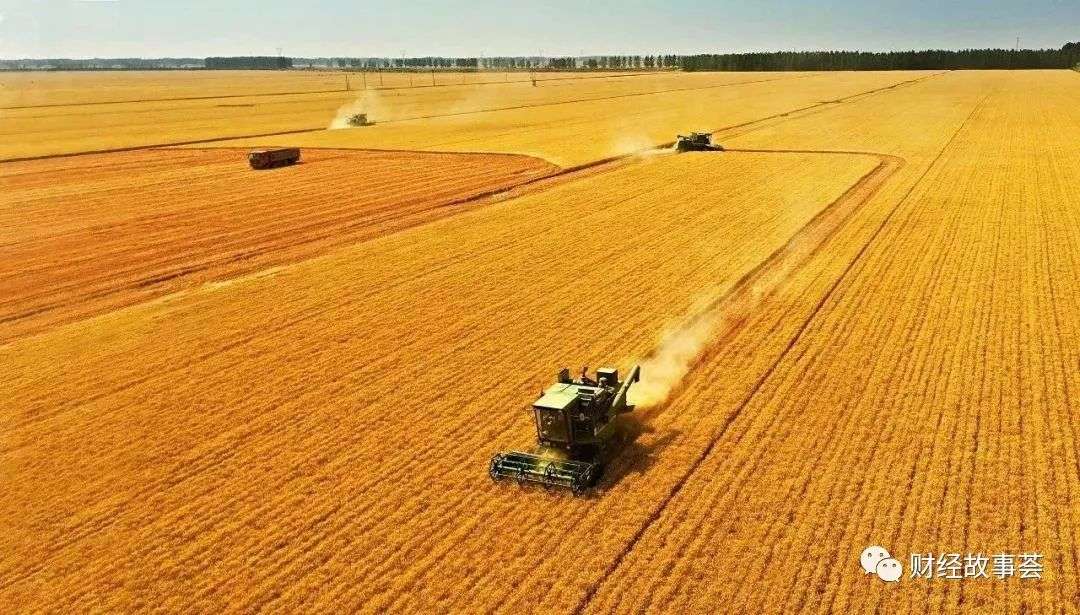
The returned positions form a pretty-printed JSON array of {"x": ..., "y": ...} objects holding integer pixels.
[{"x": 236, "y": 391}]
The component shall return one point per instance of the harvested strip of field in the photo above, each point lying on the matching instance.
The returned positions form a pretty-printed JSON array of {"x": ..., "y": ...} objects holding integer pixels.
[
  {"x": 322, "y": 433},
  {"x": 87, "y": 234}
]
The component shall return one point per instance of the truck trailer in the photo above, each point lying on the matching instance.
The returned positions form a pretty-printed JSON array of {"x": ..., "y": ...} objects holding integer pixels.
[{"x": 270, "y": 158}]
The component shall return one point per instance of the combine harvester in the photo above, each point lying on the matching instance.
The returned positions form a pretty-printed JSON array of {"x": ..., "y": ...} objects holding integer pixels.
[
  {"x": 576, "y": 430},
  {"x": 697, "y": 142},
  {"x": 358, "y": 119}
]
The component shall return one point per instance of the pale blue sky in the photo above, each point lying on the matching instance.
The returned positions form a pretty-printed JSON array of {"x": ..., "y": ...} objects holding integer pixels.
[{"x": 152, "y": 28}]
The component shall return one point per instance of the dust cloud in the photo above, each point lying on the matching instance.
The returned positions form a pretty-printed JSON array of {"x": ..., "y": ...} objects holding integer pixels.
[
  {"x": 682, "y": 345},
  {"x": 715, "y": 316},
  {"x": 635, "y": 143},
  {"x": 678, "y": 350},
  {"x": 367, "y": 101}
]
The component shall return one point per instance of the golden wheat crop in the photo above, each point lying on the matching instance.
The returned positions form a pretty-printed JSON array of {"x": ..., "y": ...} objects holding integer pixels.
[
  {"x": 42, "y": 89},
  {"x": 873, "y": 295},
  {"x": 926, "y": 403},
  {"x": 625, "y": 117},
  {"x": 497, "y": 294}
]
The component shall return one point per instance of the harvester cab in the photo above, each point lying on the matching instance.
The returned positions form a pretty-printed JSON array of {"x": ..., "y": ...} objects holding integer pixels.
[
  {"x": 697, "y": 142},
  {"x": 575, "y": 429}
]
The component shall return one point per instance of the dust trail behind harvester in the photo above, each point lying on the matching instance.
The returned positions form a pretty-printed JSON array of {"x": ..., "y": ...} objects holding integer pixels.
[
  {"x": 634, "y": 142},
  {"x": 682, "y": 346},
  {"x": 679, "y": 348},
  {"x": 716, "y": 314},
  {"x": 367, "y": 101}
]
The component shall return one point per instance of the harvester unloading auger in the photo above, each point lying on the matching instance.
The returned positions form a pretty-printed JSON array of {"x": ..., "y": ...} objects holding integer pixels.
[{"x": 576, "y": 431}]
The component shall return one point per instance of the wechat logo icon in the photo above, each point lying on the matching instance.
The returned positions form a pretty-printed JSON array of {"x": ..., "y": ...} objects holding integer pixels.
[{"x": 876, "y": 560}]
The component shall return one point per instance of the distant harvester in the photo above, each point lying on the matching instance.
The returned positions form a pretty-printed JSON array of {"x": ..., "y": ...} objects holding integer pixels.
[
  {"x": 358, "y": 119},
  {"x": 270, "y": 158},
  {"x": 697, "y": 142}
]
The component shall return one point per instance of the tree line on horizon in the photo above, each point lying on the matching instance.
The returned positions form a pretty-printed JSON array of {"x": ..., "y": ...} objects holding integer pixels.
[
  {"x": 248, "y": 62},
  {"x": 1068, "y": 56},
  {"x": 509, "y": 62},
  {"x": 932, "y": 59}
]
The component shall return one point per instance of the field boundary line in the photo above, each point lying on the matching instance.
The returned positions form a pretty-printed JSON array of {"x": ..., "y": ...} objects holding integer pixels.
[
  {"x": 677, "y": 487},
  {"x": 134, "y": 148}
]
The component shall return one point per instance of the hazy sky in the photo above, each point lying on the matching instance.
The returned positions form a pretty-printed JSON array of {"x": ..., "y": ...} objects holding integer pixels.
[{"x": 197, "y": 28}]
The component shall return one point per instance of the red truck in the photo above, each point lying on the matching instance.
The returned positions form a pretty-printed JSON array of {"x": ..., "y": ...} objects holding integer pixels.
[{"x": 270, "y": 158}]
